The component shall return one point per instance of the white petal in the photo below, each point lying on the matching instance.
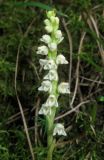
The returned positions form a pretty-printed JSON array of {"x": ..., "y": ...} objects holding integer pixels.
[
  {"x": 49, "y": 29},
  {"x": 50, "y": 65},
  {"x": 60, "y": 59},
  {"x": 63, "y": 88},
  {"x": 52, "y": 101},
  {"x": 52, "y": 75},
  {"x": 52, "y": 46},
  {"x": 45, "y": 110},
  {"x": 45, "y": 86},
  {"x": 46, "y": 38},
  {"x": 42, "y": 50},
  {"x": 47, "y": 22},
  {"x": 59, "y": 129},
  {"x": 43, "y": 62}
]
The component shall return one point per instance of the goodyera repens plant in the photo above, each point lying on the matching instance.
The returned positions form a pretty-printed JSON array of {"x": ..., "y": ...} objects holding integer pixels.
[{"x": 50, "y": 81}]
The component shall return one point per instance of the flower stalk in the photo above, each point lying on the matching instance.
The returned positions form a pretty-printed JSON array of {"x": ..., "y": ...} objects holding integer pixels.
[{"x": 50, "y": 80}]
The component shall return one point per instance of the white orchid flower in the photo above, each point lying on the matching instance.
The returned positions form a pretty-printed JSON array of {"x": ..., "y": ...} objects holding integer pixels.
[
  {"x": 64, "y": 88},
  {"x": 48, "y": 27},
  {"x": 42, "y": 50},
  {"x": 59, "y": 129},
  {"x": 59, "y": 36},
  {"x": 52, "y": 101},
  {"x": 45, "y": 86},
  {"x": 52, "y": 75},
  {"x": 50, "y": 65},
  {"x": 60, "y": 59},
  {"x": 52, "y": 46},
  {"x": 46, "y": 39},
  {"x": 45, "y": 110}
]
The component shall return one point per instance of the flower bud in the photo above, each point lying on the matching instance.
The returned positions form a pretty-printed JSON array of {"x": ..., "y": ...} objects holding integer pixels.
[
  {"x": 54, "y": 20},
  {"x": 51, "y": 13}
]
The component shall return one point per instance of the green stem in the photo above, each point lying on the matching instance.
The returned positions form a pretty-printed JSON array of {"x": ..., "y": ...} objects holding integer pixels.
[
  {"x": 50, "y": 150},
  {"x": 50, "y": 139}
]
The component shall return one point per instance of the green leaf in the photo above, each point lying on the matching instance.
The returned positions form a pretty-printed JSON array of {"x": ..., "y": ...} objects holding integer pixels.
[{"x": 39, "y": 5}]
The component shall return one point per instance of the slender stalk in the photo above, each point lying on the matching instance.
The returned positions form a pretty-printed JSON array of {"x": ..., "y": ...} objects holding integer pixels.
[{"x": 50, "y": 139}]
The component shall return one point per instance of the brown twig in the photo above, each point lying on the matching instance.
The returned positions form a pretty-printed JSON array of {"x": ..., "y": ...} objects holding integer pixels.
[
  {"x": 72, "y": 110},
  {"x": 70, "y": 50},
  {"x": 77, "y": 69}
]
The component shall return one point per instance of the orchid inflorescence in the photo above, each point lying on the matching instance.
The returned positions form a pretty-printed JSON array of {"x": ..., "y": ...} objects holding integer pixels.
[{"x": 51, "y": 62}]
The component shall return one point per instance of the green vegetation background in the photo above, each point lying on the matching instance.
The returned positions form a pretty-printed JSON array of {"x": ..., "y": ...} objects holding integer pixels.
[{"x": 21, "y": 26}]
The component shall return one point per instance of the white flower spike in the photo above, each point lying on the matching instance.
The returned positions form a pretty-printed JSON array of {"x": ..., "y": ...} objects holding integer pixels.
[
  {"x": 45, "y": 86},
  {"x": 60, "y": 59},
  {"x": 50, "y": 80},
  {"x": 52, "y": 75},
  {"x": 52, "y": 101},
  {"x": 43, "y": 50},
  {"x": 46, "y": 39},
  {"x": 45, "y": 110},
  {"x": 59, "y": 129},
  {"x": 64, "y": 88}
]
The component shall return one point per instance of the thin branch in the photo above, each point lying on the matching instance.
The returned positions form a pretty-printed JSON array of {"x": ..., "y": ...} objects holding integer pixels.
[
  {"x": 77, "y": 69},
  {"x": 70, "y": 49},
  {"x": 92, "y": 80},
  {"x": 72, "y": 110}
]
